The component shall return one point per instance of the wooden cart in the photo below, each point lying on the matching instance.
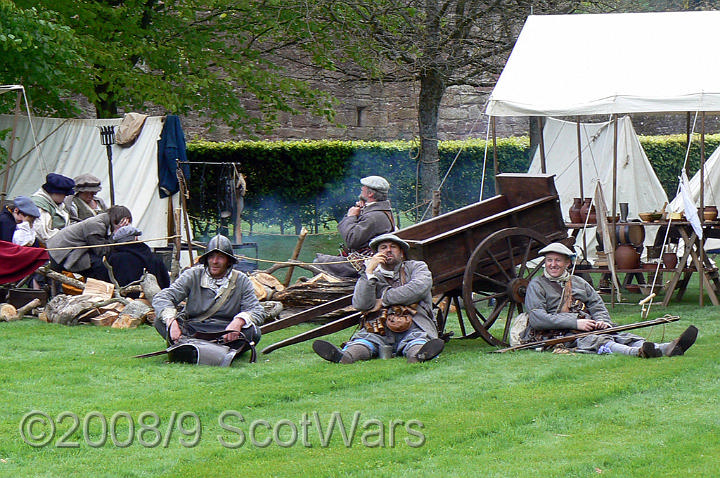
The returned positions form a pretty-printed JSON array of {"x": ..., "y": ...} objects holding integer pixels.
[{"x": 483, "y": 254}]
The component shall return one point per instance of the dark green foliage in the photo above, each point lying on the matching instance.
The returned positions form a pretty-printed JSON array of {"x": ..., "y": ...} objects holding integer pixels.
[{"x": 292, "y": 184}]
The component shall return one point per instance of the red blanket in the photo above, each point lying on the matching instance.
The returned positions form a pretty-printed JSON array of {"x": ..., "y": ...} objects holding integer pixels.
[{"x": 17, "y": 262}]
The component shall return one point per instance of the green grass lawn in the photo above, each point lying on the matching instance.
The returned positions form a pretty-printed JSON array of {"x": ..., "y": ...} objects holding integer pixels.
[{"x": 467, "y": 413}]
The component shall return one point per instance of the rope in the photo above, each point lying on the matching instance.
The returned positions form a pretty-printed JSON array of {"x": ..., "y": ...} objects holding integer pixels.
[{"x": 112, "y": 244}]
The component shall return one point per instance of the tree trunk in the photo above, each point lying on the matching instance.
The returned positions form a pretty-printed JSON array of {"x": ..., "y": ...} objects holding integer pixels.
[{"x": 432, "y": 88}]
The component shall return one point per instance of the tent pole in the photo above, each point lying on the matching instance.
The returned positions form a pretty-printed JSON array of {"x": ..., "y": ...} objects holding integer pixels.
[
  {"x": 3, "y": 193},
  {"x": 614, "y": 196},
  {"x": 580, "y": 174},
  {"x": 687, "y": 129},
  {"x": 541, "y": 127},
  {"x": 702, "y": 202},
  {"x": 580, "y": 167},
  {"x": 495, "y": 155}
]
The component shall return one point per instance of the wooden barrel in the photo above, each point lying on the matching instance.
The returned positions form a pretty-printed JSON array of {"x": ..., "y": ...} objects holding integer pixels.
[{"x": 626, "y": 234}]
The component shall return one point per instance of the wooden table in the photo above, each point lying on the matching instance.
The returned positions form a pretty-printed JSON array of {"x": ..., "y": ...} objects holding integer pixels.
[{"x": 692, "y": 260}]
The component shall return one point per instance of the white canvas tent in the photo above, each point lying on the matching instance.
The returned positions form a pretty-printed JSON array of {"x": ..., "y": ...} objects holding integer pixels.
[
  {"x": 637, "y": 183},
  {"x": 72, "y": 147},
  {"x": 613, "y": 63}
]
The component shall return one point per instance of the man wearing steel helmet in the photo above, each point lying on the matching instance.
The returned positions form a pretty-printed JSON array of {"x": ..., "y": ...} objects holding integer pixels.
[
  {"x": 217, "y": 298},
  {"x": 389, "y": 281},
  {"x": 369, "y": 217},
  {"x": 553, "y": 311}
]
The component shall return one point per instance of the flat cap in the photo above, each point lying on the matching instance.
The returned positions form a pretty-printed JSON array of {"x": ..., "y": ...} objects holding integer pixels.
[
  {"x": 375, "y": 243},
  {"x": 558, "y": 248},
  {"x": 26, "y": 206},
  {"x": 58, "y": 184},
  {"x": 126, "y": 233},
  {"x": 87, "y": 183},
  {"x": 377, "y": 183}
]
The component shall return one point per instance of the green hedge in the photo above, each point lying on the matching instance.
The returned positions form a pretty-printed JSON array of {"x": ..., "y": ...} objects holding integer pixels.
[{"x": 297, "y": 183}]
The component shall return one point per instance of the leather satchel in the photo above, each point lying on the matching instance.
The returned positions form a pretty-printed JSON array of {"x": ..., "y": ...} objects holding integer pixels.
[{"x": 400, "y": 317}]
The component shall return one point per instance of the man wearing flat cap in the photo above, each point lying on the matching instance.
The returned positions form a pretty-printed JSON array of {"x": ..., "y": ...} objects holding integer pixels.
[
  {"x": 558, "y": 303},
  {"x": 84, "y": 204},
  {"x": 130, "y": 258},
  {"x": 50, "y": 199},
  {"x": 16, "y": 222},
  {"x": 369, "y": 217},
  {"x": 395, "y": 296},
  {"x": 217, "y": 298}
]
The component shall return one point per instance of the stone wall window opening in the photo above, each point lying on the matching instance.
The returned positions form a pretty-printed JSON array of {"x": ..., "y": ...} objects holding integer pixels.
[{"x": 360, "y": 114}]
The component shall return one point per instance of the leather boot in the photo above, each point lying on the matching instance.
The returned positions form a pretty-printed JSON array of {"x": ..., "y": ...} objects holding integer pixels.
[
  {"x": 353, "y": 353},
  {"x": 422, "y": 353},
  {"x": 680, "y": 344},
  {"x": 328, "y": 351}
]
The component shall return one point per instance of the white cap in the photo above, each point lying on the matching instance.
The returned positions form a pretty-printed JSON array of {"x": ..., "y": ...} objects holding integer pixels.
[
  {"x": 558, "y": 248},
  {"x": 377, "y": 183}
]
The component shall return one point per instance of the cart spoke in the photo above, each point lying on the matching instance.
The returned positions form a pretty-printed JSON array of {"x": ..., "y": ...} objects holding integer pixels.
[
  {"x": 489, "y": 279},
  {"x": 526, "y": 255},
  {"x": 499, "y": 264}
]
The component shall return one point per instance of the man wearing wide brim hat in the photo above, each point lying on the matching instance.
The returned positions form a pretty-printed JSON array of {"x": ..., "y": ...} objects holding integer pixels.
[
  {"x": 85, "y": 204},
  {"x": 218, "y": 298},
  {"x": 395, "y": 297},
  {"x": 50, "y": 199},
  {"x": 558, "y": 303},
  {"x": 369, "y": 217}
]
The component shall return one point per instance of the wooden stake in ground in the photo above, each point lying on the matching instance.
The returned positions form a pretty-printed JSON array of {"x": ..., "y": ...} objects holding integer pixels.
[{"x": 295, "y": 254}]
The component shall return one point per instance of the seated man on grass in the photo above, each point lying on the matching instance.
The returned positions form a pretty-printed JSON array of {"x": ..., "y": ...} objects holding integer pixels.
[
  {"x": 560, "y": 304},
  {"x": 395, "y": 295},
  {"x": 217, "y": 298}
]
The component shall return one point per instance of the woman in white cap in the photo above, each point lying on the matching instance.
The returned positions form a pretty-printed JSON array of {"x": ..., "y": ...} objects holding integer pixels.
[{"x": 552, "y": 312}]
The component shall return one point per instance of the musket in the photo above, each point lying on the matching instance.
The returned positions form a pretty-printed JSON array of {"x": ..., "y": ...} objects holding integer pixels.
[{"x": 569, "y": 338}]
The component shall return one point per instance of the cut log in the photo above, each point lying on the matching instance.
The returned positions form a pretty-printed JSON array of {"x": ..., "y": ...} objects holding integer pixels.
[
  {"x": 7, "y": 312},
  {"x": 66, "y": 309},
  {"x": 50, "y": 274}
]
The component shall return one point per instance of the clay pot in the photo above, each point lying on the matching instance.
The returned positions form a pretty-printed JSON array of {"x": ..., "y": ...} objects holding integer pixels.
[
  {"x": 670, "y": 260},
  {"x": 626, "y": 257},
  {"x": 584, "y": 209},
  {"x": 592, "y": 216},
  {"x": 710, "y": 213},
  {"x": 575, "y": 216}
]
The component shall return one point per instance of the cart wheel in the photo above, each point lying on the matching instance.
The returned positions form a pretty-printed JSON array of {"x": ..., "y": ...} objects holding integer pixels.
[{"x": 496, "y": 278}]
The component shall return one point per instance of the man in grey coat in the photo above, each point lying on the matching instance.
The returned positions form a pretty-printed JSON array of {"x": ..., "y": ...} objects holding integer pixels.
[
  {"x": 95, "y": 231},
  {"x": 217, "y": 298},
  {"x": 387, "y": 282},
  {"x": 551, "y": 313},
  {"x": 369, "y": 217}
]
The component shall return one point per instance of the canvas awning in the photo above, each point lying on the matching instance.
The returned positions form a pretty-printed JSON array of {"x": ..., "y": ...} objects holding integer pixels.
[{"x": 564, "y": 65}]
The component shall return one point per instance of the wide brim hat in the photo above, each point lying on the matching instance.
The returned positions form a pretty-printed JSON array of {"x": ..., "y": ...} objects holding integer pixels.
[
  {"x": 26, "y": 206},
  {"x": 558, "y": 248},
  {"x": 58, "y": 184},
  {"x": 377, "y": 183},
  {"x": 375, "y": 243},
  {"x": 87, "y": 183}
]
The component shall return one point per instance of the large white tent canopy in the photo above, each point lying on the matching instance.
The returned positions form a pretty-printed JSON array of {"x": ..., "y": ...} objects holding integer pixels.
[
  {"x": 72, "y": 147},
  {"x": 566, "y": 65}
]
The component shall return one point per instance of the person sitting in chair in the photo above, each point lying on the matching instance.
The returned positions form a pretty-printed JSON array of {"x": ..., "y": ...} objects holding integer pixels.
[
  {"x": 395, "y": 295},
  {"x": 560, "y": 304},
  {"x": 217, "y": 299}
]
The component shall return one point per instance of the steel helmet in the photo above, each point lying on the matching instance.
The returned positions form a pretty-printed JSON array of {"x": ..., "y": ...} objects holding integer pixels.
[{"x": 220, "y": 244}]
